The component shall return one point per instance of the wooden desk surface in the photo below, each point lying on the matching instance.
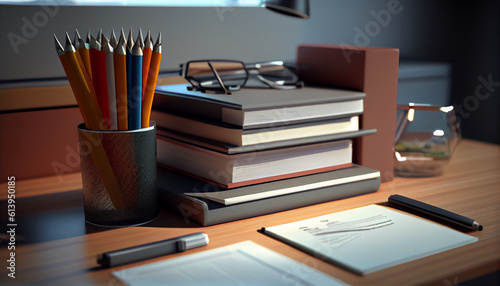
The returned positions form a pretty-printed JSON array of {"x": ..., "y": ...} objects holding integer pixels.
[{"x": 55, "y": 247}]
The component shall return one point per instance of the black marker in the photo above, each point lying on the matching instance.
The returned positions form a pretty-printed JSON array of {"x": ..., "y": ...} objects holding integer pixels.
[
  {"x": 151, "y": 250},
  {"x": 435, "y": 211}
]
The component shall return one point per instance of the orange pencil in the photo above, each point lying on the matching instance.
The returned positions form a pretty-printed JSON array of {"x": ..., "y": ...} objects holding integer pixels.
[
  {"x": 151, "y": 83},
  {"x": 120, "y": 65},
  {"x": 146, "y": 60}
]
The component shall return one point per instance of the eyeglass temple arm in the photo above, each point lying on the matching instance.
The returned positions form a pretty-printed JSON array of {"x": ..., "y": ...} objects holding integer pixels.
[
  {"x": 217, "y": 77},
  {"x": 272, "y": 84}
]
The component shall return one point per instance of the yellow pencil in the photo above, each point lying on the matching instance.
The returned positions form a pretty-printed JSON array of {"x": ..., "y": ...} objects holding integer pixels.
[
  {"x": 154, "y": 68},
  {"x": 83, "y": 53},
  {"x": 120, "y": 65},
  {"x": 83, "y": 94},
  {"x": 78, "y": 44},
  {"x": 92, "y": 117}
]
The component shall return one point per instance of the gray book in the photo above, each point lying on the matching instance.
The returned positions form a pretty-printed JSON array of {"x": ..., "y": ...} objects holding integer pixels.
[
  {"x": 174, "y": 189},
  {"x": 227, "y": 148},
  {"x": 257, "y": 108},
  {"x": 235, "y": 135}
]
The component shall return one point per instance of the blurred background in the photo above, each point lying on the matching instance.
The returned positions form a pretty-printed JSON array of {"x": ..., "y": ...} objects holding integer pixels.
[{"x": 450, "y": 52}]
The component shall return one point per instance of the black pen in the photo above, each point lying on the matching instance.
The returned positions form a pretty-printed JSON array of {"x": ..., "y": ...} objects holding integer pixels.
[
  {"x": 151, "y": 250},
  {"x": 435, "y": 211}
]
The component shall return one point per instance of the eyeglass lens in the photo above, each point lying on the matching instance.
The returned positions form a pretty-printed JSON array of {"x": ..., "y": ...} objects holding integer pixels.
[{"x": 204, "y": 74}]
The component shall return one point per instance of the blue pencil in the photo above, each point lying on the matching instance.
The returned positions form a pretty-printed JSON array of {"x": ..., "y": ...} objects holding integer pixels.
[
  {"x": 135, "y": 97},
  {"x": 130, "y": 46}
]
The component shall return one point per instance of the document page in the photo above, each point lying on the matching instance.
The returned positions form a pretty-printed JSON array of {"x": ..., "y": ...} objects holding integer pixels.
[
  {"x": 369, "y": 238},
  {"x": 244, "y": 263}
]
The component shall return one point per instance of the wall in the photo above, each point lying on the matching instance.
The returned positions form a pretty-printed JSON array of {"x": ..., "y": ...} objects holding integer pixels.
[{"x": 187, "y": 33}]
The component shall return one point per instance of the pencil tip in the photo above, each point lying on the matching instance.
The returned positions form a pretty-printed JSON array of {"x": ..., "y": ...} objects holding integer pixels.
[
  {"x": 147, "y": 42},
  {"x": 130, "y": 41},
  {"x": 157, "y": 46},
  {"x": 137, "y": 50},
  {"x": 94, "y": 44},
  {"x": 68, "y": 39},
  {"x": 158, "y": 40},
  {"x": 140, "y": 41},
  {"x": 59, "y": 47},
  {"x": 112, "y": 39},
  {"x": 120, "y": 47},
  {"x": 103, "y": 38}
]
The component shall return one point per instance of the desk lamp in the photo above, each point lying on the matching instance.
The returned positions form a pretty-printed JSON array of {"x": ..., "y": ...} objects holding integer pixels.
[{"x": 295, "y": 8}]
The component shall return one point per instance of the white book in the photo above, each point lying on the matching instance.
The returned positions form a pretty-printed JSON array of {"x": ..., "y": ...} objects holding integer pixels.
[
  {"x": 370, "y": 238},
  {"x": 243, "y": 169}
]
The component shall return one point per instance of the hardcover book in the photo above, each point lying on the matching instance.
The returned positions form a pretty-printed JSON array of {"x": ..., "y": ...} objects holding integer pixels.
[
  {"x": 174, "y": 189},
  {"x": 257, "y": 108},
  {"x": 242, "y": 137},
  {"x": 227, "y": 148},
  {"x": 254, "y": 167}
]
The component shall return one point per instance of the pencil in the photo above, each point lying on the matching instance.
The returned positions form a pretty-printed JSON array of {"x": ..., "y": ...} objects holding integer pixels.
[
  {"x": 87, "y": 38},
  {"x": 146, "y": 61},
  {"x": 140, "y": 40},
  {"x": 130, "y": 46},
  {"x": 83, "y": 94},
  {"x": 135, "y": 97},
  {"x": 76, "y": 41},
  {"x": 112, "y": 39},
  {"x": 120, "y": 58},
  {"x": 80, "y": 54},
  {"x": 92, "y": 118},
  {"x": 151, "y": 82},
  {"x": 98, "y": 67},
  {"x": 110, "y": 77}
]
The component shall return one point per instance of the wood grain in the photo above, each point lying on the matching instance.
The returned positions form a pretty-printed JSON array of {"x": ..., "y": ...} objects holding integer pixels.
[{"x": 469, "y": 186}]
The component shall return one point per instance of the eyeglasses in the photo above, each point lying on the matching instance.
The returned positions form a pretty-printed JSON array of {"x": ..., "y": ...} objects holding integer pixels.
[{"x": 226, "y": 76}]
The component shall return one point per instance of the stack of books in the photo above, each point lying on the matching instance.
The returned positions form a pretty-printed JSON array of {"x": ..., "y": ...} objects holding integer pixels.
[{"x": 256, "y": 151}]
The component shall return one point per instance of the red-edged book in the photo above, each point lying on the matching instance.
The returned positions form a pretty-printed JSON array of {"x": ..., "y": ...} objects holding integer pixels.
[{"x": 236, "y": 170}]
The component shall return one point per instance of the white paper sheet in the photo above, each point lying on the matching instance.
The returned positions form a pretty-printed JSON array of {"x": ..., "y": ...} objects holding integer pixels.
[
  {"x": 369, "y": 238},
  {"x": 244, "y": 263}
]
